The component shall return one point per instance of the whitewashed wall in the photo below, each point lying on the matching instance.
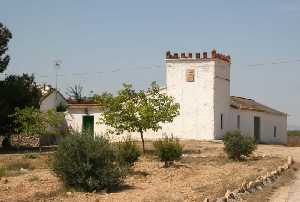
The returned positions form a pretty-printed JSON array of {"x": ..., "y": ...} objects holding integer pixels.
[
  {"x": 267, "y": 123},
  {"x": 221, "y": 98},
  {"x": 196, "y": 99},
  {"x": 50, "y": 102},
  {"x": 74, "y": 119},
  {"x": 201, "y": 104}
]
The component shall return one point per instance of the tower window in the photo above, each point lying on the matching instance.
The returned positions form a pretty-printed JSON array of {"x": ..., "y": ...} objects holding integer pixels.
[
  {"x": 190, "y": 75},
  {"x": 221, "y": 121},
  {"x": 275, "y": 131},
  {"x": 238, "y": 121}
]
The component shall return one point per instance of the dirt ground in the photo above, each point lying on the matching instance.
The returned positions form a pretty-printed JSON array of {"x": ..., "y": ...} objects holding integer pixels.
[{"x": 204, "y": 171}]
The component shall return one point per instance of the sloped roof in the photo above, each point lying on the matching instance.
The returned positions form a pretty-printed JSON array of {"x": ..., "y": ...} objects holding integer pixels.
[
  {"x": 49, "y": 92},
  {"x": 249, "y": 104}
]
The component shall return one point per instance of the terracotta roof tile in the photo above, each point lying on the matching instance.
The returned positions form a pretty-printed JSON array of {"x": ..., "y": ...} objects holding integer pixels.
[{"x": 249, "y": 104}]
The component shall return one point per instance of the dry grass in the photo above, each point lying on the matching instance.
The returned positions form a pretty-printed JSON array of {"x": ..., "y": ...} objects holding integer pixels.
[
  {"x": 265, "y": 194},
  {"x": 204, "y": 171}
]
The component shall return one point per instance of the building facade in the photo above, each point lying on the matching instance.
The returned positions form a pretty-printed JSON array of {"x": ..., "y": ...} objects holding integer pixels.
[{"x": 200, "y": 83}]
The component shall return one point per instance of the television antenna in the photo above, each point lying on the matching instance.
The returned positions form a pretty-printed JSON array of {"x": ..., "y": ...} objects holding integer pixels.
[{"x": 57, "y": 66}]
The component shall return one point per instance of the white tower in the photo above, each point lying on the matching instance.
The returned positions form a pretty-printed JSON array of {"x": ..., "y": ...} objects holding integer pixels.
[{"x": 201, "y": 85}]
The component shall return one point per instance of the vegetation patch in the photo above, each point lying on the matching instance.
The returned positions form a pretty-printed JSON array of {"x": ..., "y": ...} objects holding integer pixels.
[
  {"x": 88, "y": 163},
  {"x": 128, "y": 151},
  {"x": 207, "y": 173},
  {"x": 294, "y": 133},
  {"x": 168, "y": 150},
  {"x": 238, "y": 146}
]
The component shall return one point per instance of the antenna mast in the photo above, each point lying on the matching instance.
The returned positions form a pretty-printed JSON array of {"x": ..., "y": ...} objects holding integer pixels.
[{"x": 57, "y": 66}]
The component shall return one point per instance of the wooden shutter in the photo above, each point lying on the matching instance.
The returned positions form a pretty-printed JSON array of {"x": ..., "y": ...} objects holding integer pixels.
[{"x": 190, "y": 75}]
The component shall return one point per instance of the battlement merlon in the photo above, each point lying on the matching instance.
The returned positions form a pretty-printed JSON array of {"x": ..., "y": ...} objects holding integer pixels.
[{"x": 183, "y": 56}]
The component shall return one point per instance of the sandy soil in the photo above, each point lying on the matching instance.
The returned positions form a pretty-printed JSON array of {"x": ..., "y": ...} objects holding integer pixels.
[{"x": 204, "y": 171}]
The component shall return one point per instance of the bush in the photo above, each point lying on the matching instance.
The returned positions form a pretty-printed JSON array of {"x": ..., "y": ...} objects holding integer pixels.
[
  {"x": 168, "y": 150},
  {"x": 237, "y": 145},
  {"x": 128, "y": 151},
  {"x": 87, "y": 163}
]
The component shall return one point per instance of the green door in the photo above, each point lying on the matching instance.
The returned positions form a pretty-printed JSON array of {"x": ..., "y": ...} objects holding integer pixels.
[{"x": 88, "y": 124}]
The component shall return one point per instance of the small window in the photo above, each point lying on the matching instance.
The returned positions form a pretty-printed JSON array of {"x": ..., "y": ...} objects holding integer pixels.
[
  {"x": 221, "y": 121},
  {"x": 275, "y": 131},
  {"x": 238, "y": 121},
  {"x": 190, "y": 75}
]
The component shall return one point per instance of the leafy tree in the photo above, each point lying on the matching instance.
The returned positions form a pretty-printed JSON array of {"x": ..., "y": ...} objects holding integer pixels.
[
  {"x": 104, "y": 99},
  {"x": 32, "y": 121},
  {"x": 75, "y": 92},
  {"x": 5, "y": 36},
  {"x": 134, "y": 111},
  {"x": 16, "y": 91}
]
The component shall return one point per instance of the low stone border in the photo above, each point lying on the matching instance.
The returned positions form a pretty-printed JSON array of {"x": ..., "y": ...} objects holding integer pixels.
[{"x": 257, "y": 184}]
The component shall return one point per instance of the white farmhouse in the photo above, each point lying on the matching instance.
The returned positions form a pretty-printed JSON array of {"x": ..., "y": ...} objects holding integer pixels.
[
  {"x": 51, "y": 98},
  {"x": 201, "y": 85}
]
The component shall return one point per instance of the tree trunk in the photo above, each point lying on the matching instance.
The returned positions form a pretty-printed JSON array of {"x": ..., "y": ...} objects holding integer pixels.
[{"x": 143, "y": 142}]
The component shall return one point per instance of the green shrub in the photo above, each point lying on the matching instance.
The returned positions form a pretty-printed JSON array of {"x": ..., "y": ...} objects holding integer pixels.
[
  {"x": 237, "y": 145},
  {"x": 168, "y": 150},
  {"x": 294, "y": 133},
  {"x": 87, "y": 163},
  {"x": 128, "y": 151}
]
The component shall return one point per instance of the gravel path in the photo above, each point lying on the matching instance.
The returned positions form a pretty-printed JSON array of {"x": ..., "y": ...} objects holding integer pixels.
[{"x": 291, "y": 192}]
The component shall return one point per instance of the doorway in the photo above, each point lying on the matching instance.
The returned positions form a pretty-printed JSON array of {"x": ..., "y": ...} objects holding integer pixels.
[
  {"x": 88, "y": 124},
  {"x": 257, "y": 128}
]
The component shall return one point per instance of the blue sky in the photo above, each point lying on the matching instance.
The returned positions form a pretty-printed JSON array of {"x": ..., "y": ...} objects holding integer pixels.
[{"x": 131, "y": 37}]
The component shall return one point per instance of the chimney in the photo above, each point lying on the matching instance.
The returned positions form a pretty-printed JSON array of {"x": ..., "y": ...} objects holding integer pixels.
[
  {"x": 168, "y": 54},
  {"x": 214, "y": 54}
]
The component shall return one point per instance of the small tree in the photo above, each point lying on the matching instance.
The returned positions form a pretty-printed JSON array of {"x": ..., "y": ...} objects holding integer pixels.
[
  {"x": 133, "y": 111},
  {"x": 16, "y": 91},
  {"x": 32, "y": 121}
]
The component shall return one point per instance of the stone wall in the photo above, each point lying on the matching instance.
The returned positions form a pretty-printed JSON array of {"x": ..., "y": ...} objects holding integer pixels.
[{"x": 257, "y": 184}]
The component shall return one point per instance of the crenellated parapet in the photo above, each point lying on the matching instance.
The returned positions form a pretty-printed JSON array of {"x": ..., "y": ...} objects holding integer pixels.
[{"x": 198, "y": 56}]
